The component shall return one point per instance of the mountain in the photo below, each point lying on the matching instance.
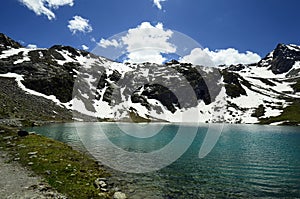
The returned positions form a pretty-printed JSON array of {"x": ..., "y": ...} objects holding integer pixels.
[{"x": 62, "y": 83}]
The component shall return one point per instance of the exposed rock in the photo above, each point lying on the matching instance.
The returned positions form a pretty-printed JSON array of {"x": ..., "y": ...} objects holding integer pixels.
[
  {"x": 8, "y": 138},
  {"x": 283, "y": 59},
  {"x": 99, "y": 183},
  {"x": 33, "y": 153},
  {"x": 23, "y": 133},
  {"x": 119, "y": 195},
  {"x": 137, "y": 92},
  {"x": 8, "y": 42}
]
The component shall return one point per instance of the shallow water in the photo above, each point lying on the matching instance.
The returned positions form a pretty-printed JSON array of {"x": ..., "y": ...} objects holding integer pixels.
[{"x": 247, "y": 161}]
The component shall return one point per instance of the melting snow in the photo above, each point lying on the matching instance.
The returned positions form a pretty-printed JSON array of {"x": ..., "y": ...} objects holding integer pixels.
[{"x": 19, "y": 78}]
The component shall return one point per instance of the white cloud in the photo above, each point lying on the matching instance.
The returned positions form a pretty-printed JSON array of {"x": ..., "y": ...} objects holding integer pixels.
[
  {"x": 58, "y": 3},
  {"x": 158, "y": 3},
  {"x": 79, "y": 24},
  {"x": 45, "y": 6},
  {"x": 32, "y": 46},
  {"x": 198, "y": 57},
  {"x": 219, "y": 57},
  {"x": 107, "y": 43},
  {"x": 145, "y": 43},
  {"x": 84, "y": 47},
  {"x": 93, "y": 40}
]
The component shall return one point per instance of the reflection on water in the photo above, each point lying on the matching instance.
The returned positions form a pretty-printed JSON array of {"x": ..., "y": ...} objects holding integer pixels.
[{"x": 248, "y": 161}]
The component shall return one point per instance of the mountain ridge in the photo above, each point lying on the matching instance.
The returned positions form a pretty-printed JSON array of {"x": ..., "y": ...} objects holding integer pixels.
[{"x": 89, "y": 87}]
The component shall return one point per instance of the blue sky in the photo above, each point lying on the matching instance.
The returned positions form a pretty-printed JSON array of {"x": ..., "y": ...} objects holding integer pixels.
[{"x": 245, "y": 25}]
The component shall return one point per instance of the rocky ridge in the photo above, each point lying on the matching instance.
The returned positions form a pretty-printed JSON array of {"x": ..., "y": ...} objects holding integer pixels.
[{"x": 80, "y": 85}]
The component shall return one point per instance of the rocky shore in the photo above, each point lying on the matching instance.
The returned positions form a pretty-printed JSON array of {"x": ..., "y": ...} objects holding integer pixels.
[
  {"x": 32, "y": 166},
  {"x": 17, "y": 182}
]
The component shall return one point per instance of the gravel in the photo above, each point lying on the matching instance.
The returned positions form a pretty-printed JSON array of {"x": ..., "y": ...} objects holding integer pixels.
[{"x": 16, "y": 182}]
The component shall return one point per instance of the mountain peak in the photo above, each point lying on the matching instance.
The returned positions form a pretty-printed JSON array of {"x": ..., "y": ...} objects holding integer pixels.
[
  {"x": 6, "y": 42},
  {"x": 282, "y": 58},
  {"x": 286, "y": 49}
]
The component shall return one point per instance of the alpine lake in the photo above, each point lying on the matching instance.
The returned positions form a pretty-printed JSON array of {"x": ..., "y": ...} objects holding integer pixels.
[{"x": 245, "y": 161}]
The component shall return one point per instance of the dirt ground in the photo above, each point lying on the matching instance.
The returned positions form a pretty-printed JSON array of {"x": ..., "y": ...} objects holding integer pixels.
[{"x": 16, "y": 182}]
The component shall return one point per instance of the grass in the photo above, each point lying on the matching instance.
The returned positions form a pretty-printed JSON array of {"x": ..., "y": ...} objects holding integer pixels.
[
  {"x": 290, "y": 115},
  {"x": 70, "y": 172}
]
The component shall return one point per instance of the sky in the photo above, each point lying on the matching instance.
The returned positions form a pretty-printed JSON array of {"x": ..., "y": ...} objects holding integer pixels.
[{"x": 199, "y": 31}]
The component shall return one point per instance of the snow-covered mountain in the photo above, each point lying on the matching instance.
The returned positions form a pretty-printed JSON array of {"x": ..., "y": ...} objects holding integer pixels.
[{"x": 63, "y": 83}]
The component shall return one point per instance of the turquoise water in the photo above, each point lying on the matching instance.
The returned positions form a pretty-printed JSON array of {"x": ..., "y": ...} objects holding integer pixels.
[{"x": 248, "y": 161}]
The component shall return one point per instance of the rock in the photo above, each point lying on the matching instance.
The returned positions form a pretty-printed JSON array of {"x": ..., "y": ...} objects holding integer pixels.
[
  {"x": 30, "y": 163},
  {"x": 100, "y": 183},
  {"x": 116, "y": 189},
  {"x": 131, "y": 190},
  {"x": 8, "y": 42},
  {"x": 23, "y": 133},
  {"x": 10, "y": 144},
  {"x": 48, "y": 172},
  {"x": 32, "y": 153},
  {"x": 119, "y": 195},
  {"x": 283, "y": 59},
  {"x": 33, "y": 156},
  {"x": 8, "y": 138},
  {"x": 2, "y": 131},
  {"x": 22, "y": 146},
  {"x": 43, "y": 187},
  {"x": 104, "y": 190}
]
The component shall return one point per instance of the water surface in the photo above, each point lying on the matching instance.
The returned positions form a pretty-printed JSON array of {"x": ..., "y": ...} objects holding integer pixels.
[{"x": 248, "y": 161}]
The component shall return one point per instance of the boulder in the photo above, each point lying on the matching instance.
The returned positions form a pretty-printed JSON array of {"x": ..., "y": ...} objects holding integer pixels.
[
  {"x": 100, "y": 183},
  {"x": 119, "y": 195},
  {"x": 23, "y": 133}
]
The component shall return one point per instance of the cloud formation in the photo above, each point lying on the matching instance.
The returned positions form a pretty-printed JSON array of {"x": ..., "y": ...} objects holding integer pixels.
[
  {"x": 108, "y": 43},
  {"x": 79, "y": 24},
  {"x": 45, "y": 7},
  {"x": 84, "y": 47},
  {"x": 147, "y": 43},
  {"x": 31, "y": 46},
  {"x": 219, "y": 57},
  {"x": 157, "y": 3},
  {"x": 155, "y": 44}
]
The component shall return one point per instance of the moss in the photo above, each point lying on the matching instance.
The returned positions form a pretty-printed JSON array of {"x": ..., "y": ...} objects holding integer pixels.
[{"x": 70, "y": 172}]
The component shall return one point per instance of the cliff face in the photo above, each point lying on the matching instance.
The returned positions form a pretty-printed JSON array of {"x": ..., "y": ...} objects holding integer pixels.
[{"x": 62, "y": 82}]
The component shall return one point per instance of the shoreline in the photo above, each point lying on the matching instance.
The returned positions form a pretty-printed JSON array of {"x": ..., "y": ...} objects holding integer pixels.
[
  {"x": 71, "y": 172},
  {"x": 17, "y": 181}
]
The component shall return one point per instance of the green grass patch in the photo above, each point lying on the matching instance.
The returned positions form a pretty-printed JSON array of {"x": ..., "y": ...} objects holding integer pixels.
[
  {"x": 70, "y": 172},
  {"x": 290, "y": 115}
]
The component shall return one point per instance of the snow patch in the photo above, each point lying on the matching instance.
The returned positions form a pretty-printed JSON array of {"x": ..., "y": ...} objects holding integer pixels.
[
  {"x": 20, "y": 78},
  {"x": 271, "y": 112}
]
